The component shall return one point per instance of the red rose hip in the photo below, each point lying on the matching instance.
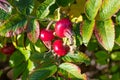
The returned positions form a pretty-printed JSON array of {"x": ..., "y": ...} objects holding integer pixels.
[
  {"x": 46, "y": 35},
  {"x": 8, "y": 49},
  {"x": 59, "y": 48},
  {"x": 62, "y": 26}
]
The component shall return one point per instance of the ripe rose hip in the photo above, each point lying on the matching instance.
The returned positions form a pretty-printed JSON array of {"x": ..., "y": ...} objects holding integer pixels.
[
  {"x": 46, "y": 35},
  {"x": 8, "y": 49},
  {"x": 62, "y": 26},
  {"x": 59, "y": 48}
]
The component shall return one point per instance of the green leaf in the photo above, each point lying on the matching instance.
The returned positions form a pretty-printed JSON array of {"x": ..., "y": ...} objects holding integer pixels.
[
  {"x": 117, "y": 34},
  {"x": 78, "y": 57},
  {"x": 4, "y": 15},
  {"x": 20, "y": 40},
  {"x": 16, "y": 24},
  {"x": 3, "y": 57},
  {"x": 86, "y": 30},
  {"x": 25, "y": 74},
  {"x": 43, "y": 9},
  {"x": 66, "y": 75},
  {"x": 118, "y": 18},
  {"x": 52, "y": 9},
  {"x": 92, "y": 45},
  {"x": 102, "y": 55},
  {"x": 116, "y": 76},
  {"x": 64, "y": 2},
  {"x": 105, "y": 34},
  {"x": 59, "y": 78},
  {"x": 16, "y": 59},
  {"x": 73, "y": 70},
  {"x": 1, "y": 72},
  {"x": 115, "y": 56},
  {"x": 114, "y": 68},
  {"x": 78, "y": 38},
  {"x": 25, "y": 52},
  {"x": 40, "y": 47},
  {"x": 109, "y": 7},
  {"x": 104, "y": 77},
  {"x": 30, "y": 67},
  {"x": 24, "y": 6},
  {"x": 42, "y": 57},
  {"x": 18, "y": 70},
  {"x": 101, "y": 62},
  {"x": 33, "y": 31},
  {"x": 92, "y": 7},
  {"x": 43, "y": 73},
  {"x": 50, "y": 78}
]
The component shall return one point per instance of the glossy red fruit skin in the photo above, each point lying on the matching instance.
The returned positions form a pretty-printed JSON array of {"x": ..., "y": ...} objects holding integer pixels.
[
  {"x": 46, "y": 35},
  {"x": 61, "y": 26},
  {"x": 8, "y": 49},
  {"x": 59, "y": 48}
]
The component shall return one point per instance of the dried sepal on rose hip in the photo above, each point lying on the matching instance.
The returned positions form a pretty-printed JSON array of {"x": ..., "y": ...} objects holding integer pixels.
[{"x": 59, "y": 48}]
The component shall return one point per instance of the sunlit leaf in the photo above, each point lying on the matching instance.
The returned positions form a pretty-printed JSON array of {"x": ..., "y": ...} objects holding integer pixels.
[
  {"x": 73, "y": 70},
  {"x": 109, "y": 8},
  {"x": 86, "y": 30},
  {"x": 92, "y": 7},
  {"x": 40, "y": 47},
  {"x": 25, "y": 52},
  {"x": 105, "y": 34},
  {"x": 29, "y": 68},
  {"x": 118, "y": 18},
  {"x": 78, "y": 57},
  {"x": 115, "y": 56}
]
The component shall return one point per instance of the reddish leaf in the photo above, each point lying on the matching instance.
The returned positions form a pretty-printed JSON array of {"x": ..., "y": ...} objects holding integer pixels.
[
  {"x": 73, "y": 70},
  {"x": 33, "y": 31},
  {"x": 105, "y": 34}
]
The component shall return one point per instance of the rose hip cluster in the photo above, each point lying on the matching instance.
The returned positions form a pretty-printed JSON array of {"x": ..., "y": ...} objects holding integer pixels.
[{"x": 62, "y": 29}]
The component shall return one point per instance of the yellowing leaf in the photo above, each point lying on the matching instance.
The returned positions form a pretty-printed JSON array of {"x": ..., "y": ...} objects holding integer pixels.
[{"x": 77, "y": 9}]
